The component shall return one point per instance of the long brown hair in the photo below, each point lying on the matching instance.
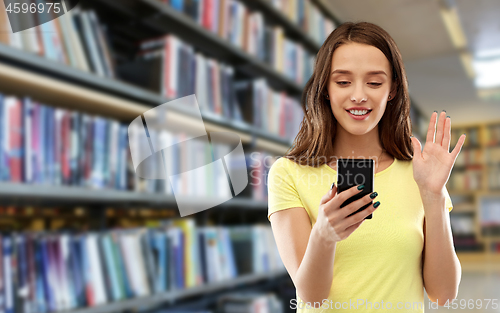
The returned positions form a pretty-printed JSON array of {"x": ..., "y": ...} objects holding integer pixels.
[{"x": 314, "y": 141}]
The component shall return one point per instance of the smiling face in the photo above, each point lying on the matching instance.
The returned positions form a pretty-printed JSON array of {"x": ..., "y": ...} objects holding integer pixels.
[{"x": 360, "y": 79}]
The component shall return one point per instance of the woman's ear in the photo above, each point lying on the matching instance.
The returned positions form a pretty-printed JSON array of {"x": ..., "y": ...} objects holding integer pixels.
[{"x": 392, "y": 93}]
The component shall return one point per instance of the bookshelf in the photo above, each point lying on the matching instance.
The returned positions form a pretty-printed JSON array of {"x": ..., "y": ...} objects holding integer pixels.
[
  {"x": 27, "y": 74},
  {"x": 48, "y": 81},
  {"x": 473, "y": 186}
]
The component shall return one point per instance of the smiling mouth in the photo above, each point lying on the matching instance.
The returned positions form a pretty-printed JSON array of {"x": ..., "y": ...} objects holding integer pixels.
[{"x": 359, "y": 112}]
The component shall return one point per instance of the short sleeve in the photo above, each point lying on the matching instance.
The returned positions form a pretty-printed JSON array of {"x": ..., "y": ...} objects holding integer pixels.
[
  {"x": 282, "y": 193},
  {"x": 449, "y": 204}
]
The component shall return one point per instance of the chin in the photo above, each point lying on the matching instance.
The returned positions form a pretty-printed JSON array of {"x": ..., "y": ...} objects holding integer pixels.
[{"x": 358, "y": 130}]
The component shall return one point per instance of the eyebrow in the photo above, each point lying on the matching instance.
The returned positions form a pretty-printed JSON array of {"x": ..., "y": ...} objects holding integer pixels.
[{"x": 349, "y": 72}]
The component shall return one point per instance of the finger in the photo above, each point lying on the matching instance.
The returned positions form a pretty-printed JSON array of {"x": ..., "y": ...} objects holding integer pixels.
[
  {"x": 343, "y": 196},
  {"x": 440, "y": 128},
  {"x": 447, "y": 134},
  {"x": 417, "y": 148},
  {"x": 333, "y": 187},
  {"x": 353, "y": 219},
  {"x": 458, "y": 147},
  {"x": 356, "y": 205},
  {"x": 329, "y": 195},
  {"x": 431, "y": 130}
]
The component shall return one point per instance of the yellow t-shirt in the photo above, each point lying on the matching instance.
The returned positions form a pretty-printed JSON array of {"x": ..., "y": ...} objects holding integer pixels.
[{"x": 379, "y": 261}]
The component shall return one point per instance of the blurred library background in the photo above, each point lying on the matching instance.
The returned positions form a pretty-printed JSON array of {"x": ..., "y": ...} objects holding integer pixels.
[{"x": 81, "y": 232}]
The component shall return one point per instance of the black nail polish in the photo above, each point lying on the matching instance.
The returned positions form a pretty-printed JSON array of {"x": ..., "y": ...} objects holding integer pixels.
[
  {"x": 373, "y": 195},
  {"x": 361, "y": 187},
  {"x": 444, "y": 111},
  {"x": 447, "y": 116},
  {"x": 333, "y": 185},
  {"x": 436, "y": 111},
  {"x": 376, "y": 204}
]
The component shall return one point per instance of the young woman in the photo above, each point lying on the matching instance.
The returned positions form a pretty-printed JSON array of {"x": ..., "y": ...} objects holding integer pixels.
[{"x": 357, "y": 106}]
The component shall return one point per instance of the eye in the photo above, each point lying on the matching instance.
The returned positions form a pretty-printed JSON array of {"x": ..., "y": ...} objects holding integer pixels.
[
  {"x": 342, "y": 83},
  {"x": 375, "y": 84}
]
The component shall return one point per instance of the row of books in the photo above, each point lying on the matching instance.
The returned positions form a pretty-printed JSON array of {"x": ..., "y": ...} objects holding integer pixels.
[
  {"x": 492, "y": 135},
  {"x": 44, "y": 144},
  {"x": 271, "y": 111},
  {"x": 495, "y": 247},
  {"x": 471, "y": 178},
  {"x": 213, "y": 15},
  {"x": 165, "y": 65},
  {"x": 493, "y": 177},
  {"x": 490, "y": 212},
  {"x": 467, "y": 243},
  {"x": 259, "y": 164},
  {"x": 186, "y": 164},
  {"x": 462, "y": 224},
  {"x": 466, "y": 180},
  {"x": 472, "y": 140},
  {"x": 234, "y": 22},
  {"x": 492, "y": 155},
  {"x": 58, "y": 271},
  {"x": 471, "y": 158},
  {"x": 76, "y": 38},
  {"x": 40, "y": 144},
  {"x": 491, "y": 230},
  {"x": 172, "y": 68},
  {"x": 307, "y": 16}
]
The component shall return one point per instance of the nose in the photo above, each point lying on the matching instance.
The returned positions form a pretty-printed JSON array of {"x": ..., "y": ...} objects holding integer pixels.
[{"x": 358, "y": 95}]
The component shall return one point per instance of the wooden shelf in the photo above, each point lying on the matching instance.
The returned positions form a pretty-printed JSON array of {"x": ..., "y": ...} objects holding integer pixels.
[
  {"x": 479, "y": 261},
  {"x": 464, "y": 208},
  {"x": 458, "y": 192},
  {"x": 491, "y": 237}
]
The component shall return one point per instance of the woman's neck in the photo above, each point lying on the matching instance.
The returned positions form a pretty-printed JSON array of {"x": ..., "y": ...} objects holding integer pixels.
[{"x": 365, "y": 146}]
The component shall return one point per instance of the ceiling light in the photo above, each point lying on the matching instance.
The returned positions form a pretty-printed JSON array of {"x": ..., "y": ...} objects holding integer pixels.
[
  {"x": 487, "y": 66},
  {"x": 467, "y": 63},
  {"x": 487, "y": 72},
  {"x": 449, "y": 14}
]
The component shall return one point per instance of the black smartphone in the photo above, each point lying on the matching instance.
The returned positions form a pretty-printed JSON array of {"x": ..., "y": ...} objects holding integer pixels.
[{"x": 353, "y": 172}]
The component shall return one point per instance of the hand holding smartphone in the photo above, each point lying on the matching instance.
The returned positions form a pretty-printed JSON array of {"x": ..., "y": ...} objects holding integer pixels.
[{"x": 353, "y": 172}]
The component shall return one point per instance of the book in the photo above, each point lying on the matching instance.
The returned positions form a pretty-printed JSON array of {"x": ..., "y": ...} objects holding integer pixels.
[
  {"x": 14, "y": 137},
  {"x": 7, "y": 253}
]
